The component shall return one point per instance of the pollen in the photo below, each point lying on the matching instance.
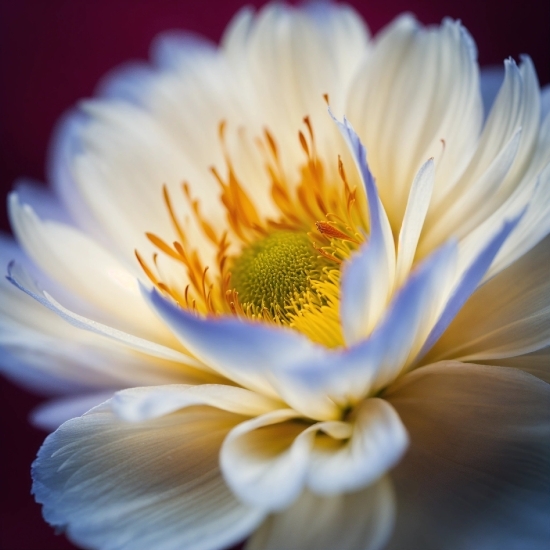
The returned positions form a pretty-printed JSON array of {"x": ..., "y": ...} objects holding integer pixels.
[
  {"x": 283, "y": 269},
  {"x": 277, "y": 271}
]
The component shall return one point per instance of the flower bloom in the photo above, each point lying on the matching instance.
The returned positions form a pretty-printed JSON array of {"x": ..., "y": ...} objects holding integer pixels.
[{"x": 325, "y": 349}]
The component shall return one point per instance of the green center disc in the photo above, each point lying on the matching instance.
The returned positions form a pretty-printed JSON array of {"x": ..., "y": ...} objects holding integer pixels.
[{"x": 272, "y": 271}]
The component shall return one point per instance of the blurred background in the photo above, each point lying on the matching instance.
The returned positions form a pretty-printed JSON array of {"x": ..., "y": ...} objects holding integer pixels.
[{"x": 53, "y": 52}]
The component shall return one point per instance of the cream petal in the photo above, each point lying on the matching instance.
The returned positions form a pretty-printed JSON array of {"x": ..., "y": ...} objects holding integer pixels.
[
  {"x": 418, "y": 203},
  {"x": 536, "y": 363},
  {"x": 406, "y": 100},
  {"x": 470, "y": 275},
  {"x": 377, "y": 443},
  {"x": 277, "y": 57},
  {"x": 139, "y": 404},
  {"x": 368, "y": 276},
  {"x": 116, "y": 485},
  {"x": 507, "y": 316},
  {"x": 477, "y": 474},
  {"x": 95, "y": 275},
  {"x": 517, "y": 106},
  {"x": 265, "y": 459},
  {"x": 50, "y": 415},
  {"x": 21, "y": 279},
  {"x": 252, "y": 354},
  {"x": 353, "y": 521}
]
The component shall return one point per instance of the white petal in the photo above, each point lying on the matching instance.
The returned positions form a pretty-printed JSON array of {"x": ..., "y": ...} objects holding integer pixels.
[
  {"x": 417, "y": 207},
  {"x": 417, "y": 88},
  {"x": 368, "y": 276},
  {"x": 251, "y": 354},
  {"x": 117, "y": 485},
  {"x": 265, "y": 460},
  {"x": 81, "y": 265},
  {"x": 140, "y": 404},
  {"x": 470, "y": 278},
  {"x": 354, "y": 521},
  {"x": 377, "y": 443},
  {"x": 52, "y": 414},
  {"x": 509, "y": 315},
  {"x": 18, "y": 276},
  {"x": 477, "y": 474}
]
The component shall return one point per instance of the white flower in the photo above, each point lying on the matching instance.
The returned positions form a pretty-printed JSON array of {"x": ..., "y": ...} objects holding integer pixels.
[{"x": 336, "y": 354}]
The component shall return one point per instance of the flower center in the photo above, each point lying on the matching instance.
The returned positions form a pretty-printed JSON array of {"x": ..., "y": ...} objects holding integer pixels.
[{"x": 276, "y": 271}]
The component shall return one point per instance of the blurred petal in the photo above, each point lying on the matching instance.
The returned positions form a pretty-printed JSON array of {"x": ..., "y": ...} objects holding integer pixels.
[
  {"x": 168, "y": 492},
  {"x": 352, "y": 521},
  {"x": 509, "y": 315},
  {"x": 50, "y": 415},
  {"x": 536, "y": 363},
  {"x": 477, "y": 474},
  {"x": 139, "y": 404}
]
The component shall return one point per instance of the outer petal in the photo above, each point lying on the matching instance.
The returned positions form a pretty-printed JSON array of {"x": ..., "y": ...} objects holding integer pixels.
[
  {"x": 52, "y": 414},
  {"x": 117, "y": 485},
  {"x": 509, "y": 315},
  {"x": 536, "y": 363},
  {"x": 478, "y": 471},
  {"x": 43, "y": 352},
  {"x": 268, "y": 461},
  {"x": 354, "y": 521}
]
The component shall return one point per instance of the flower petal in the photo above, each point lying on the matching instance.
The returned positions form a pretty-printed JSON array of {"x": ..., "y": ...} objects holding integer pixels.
[
  {"x": 470, "y": 278},
  {"x": 536, "y": 363},
  {"x": 354, "y": 521},
  {"x": 117, "y": 485},
  {"x": 515, "y": 306},
  {"x": 478, "y": 471},
  {"x": 419, "y": 87},
  {"x": 96, "y": 276},
  {"x": 265, "y": 460},
  {"x": 138, "y": 404},
  {"x": 251, "y": 354},
  {"x": 368, "y": 276},
  {"x": 21, "y": 279},
  {"x": 50, "y": 415},
  {"x": 377, "y": 443},
  {"x": 420, "y": 195}
]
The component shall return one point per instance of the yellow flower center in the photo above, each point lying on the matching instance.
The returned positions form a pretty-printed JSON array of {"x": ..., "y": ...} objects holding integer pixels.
[
  {"x": 288, "y": 269},
  {"x": 277, "y": 271}
]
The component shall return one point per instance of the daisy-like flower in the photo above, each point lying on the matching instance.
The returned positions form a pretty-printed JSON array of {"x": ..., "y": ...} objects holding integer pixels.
[{"x": 326, "y": 349}]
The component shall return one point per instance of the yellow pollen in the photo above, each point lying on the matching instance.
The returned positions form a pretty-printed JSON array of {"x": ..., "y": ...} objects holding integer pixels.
[
  {"x": 276, "y": 270},
  {"x": 288, "y": 270}
]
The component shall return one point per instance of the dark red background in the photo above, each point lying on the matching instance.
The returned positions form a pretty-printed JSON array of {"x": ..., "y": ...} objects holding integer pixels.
[{"x": 52, "y": 52}]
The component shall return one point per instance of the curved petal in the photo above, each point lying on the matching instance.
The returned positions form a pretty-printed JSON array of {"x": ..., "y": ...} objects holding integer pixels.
[
  {"x": 138, "y": 404},
  {"x": 354, "y": 521},
  {"x": 251, "y": 354},
  {"x": 368, "y": 276},
  {"x": 264, "y": 460},
  {"x": 268, "y": 461},
  {"x": 96, "y": 276},
  {"x": 168, "y": 356},
  {"x": 417, "y": 89},
  {"x": 116, "y": 485},
  {"x": 50, "y": 415},
  {"x": 490, "y": 81},
  {"x": 477, "y": 474},
  {"x": 377, "y": 443},
  {"x": 536, "y": 363},
  {"x": 509, "y": 315}
]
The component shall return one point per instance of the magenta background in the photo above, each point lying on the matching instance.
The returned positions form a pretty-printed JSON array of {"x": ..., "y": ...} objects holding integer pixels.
[{"x": 52, "y": 52}]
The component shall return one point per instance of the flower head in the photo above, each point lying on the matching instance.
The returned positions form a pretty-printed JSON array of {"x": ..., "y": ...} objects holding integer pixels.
[{"x": 315, "y": 347}]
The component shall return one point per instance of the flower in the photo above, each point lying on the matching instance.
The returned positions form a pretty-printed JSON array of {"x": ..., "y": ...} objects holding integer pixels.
[{"x": 323, "y": 349}]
